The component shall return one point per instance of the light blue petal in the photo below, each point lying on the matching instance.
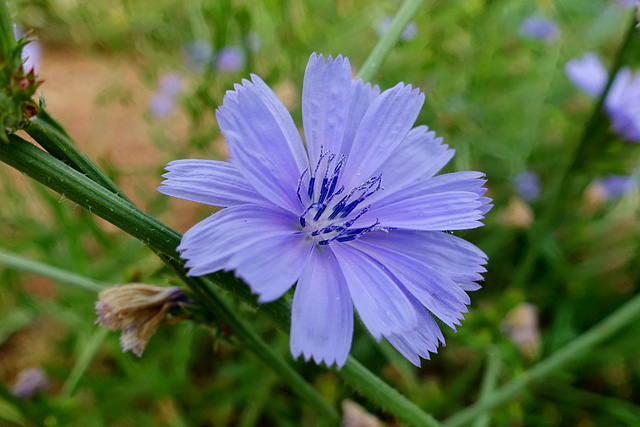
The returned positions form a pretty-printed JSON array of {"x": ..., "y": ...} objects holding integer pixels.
[
  {"x": 208, "y": 181},
  {"x": 326, "y": 97},
  {"x": 434, "y": 290},
  {"x": 453, "y": 210},
  {"x": 452, "y": 256},
  {"x": 272, "y": 265},
  {"x": 383, "y": 127},
  {"x": 381, "y": 303},
  {"x": 420, "y": 156},
  {"x": 264, "y": 142},
  {"x": 322, "y": 311},
  {"x": 361, "y": 99},
  {"x": 457, "y": 181},
  {"x": 209, "y": 245},
  {"x": 419, "y": 341}
]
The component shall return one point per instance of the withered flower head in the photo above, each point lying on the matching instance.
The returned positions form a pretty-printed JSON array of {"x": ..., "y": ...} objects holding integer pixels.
[{"x": 137, "y": 309}]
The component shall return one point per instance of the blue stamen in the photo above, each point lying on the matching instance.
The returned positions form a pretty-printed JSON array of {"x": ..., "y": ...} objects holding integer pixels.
[
  {"x": 327, "y": 191},
  {"x": 304, "y": 172},
  {"x": 312, "y": 183}
]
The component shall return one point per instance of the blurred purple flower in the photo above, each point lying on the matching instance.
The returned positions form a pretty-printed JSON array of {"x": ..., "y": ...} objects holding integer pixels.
[
  {"x": 622, "y": 103},
  {"x": 587, "y": 73},
  {"x": 198, "y": 54},
  {"x": 170, "y": 84},
  {"x": 164, "y": 101},
  {"x": 161, "y": 105},
  {"x": 230, "y": 59},
  {"x": 32, "y": 51},
  {"x": 527, "y": 185},
  {"x": 613, "y": 187},
  {"x": 356, "y": 219},
  {"x": 539, "y": 27},
  {"x": 409, "y": 33},
  {"x": 30, "y": 382}
]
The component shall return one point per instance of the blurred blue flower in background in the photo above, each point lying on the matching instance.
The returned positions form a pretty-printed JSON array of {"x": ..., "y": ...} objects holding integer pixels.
[
  {"x": 32, "y": 51},
  {"x": 230, "y": 59},
  {"x": 161, "y": 105},
  {"x": 539, "y": 27},
  {"x": 409, "y": 33},
  {"x": 612, "y": 187},
  {"x": 197, "y": 55},
  {"x": 170, "y": 84},
  {"x": 527, "y": 185},
  {"x": 622, "y": 103},
  {"x": 358, "y": 218},
  {"x": 163, "y": 102},
  {"x": 30, "y": 382},
  {"x": 587, "y": 73}
]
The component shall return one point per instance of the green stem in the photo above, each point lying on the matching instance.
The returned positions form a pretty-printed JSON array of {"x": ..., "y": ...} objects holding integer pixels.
[
  {"x": 489, "y": 382},
  {"x": 59, "y": 275},
  {"x": 249, "y": 338},
  {"x": 88, "y": 350},
  {"x": 613, "y": 323},
  {"x": 53, "y": 138},
  {"x": 571, "y": 161},
  {"x": 407, "y": 11},
  {"x": 7, "y": 40},
  {"x": 379, "y": 392}
]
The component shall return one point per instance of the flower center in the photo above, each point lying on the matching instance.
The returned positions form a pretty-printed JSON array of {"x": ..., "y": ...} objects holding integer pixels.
[{"x": 331, "y": 213}]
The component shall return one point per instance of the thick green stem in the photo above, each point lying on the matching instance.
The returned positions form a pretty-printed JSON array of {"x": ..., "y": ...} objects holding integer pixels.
[
  {"x": 7, "y": 40},
  {"x": 616, "y": 321},
  {"x": 407, "y": 11},
  {"x": 53, "y": 138},
  {"x": 386, "y": 397}
]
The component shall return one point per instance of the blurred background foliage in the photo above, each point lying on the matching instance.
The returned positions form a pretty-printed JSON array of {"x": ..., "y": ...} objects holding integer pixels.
[{"x": 136, "y": 83}]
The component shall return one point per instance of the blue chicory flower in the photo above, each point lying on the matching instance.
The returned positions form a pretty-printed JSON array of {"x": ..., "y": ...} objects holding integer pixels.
[
  {"x": 527, "y": 184},
  {"x": 230, "y": 59},
  {"x": 622, "y": 103},
  {"x": 539, "y": 27},
  {"x": 358, "y": 218}
]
